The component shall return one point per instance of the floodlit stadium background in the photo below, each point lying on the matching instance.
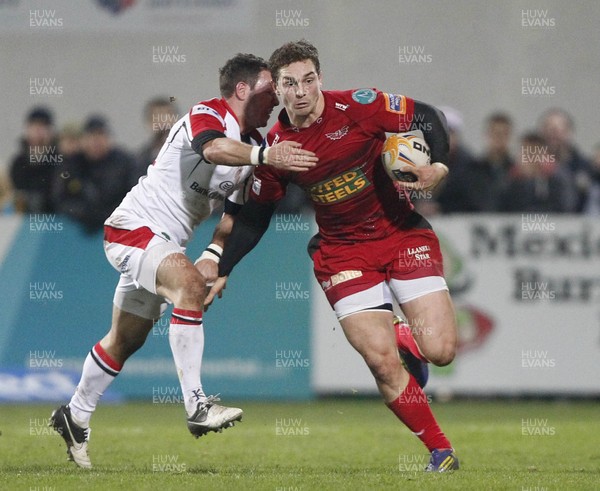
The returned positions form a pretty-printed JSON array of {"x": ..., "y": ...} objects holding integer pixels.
[{"x": 272, "y": 336}]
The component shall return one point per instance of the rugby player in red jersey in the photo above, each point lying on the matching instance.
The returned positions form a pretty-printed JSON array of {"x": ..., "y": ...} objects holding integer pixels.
[
  {"x": 202, "y": 166},
  {"x": 371, "y": 245}
]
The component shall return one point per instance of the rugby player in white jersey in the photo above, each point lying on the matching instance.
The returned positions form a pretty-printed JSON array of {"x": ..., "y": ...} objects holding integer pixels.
[{"x": 204, "y": 163}]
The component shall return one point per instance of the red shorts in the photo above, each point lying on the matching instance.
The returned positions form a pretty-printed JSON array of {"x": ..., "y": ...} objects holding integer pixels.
[{"x": 343, "y": 269}]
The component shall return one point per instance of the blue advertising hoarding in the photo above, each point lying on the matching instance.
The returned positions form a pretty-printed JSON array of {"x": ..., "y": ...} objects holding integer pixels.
[{"x": 56, "y": 293}]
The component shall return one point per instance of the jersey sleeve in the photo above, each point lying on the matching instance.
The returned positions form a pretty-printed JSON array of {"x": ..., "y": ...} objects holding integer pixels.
[
  {"x": 207, "y": 122},
  {"x": 381, "y": 112},
  {"x": 205, "y": 116},
  {"x": 268, "y": 184},
  {"x": 378, "y": 111}
]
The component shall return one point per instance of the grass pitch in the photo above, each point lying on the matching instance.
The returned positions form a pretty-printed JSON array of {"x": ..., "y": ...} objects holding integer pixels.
[{"x": 319, "y": 445}]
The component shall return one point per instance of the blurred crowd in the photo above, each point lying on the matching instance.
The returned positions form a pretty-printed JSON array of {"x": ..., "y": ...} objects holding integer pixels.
[
  {"x": 81, "y": 172},
  {"x": 541, "y": 170}
]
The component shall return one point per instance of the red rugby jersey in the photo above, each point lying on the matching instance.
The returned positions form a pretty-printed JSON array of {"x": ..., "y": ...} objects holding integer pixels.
[{"x": 353, "y": 197}]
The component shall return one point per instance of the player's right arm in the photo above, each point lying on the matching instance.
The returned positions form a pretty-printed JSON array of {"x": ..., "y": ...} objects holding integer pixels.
[
  {"x": 206, "y": 131},
  {"x": 286, "y": 155}
]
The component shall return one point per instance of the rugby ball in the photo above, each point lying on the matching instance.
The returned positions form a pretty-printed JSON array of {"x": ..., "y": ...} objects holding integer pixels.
[{"x": 403, "y": 152}]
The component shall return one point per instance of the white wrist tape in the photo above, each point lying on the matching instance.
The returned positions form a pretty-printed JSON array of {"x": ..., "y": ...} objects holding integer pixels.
[
  {"x": 212, "y": 252},
  {"x": 254, "y": 155}
]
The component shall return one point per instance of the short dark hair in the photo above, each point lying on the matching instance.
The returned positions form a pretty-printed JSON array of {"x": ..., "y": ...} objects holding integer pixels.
[
  {"x": 96, "y": 123},
  {"x": 40, "y": 114},
  {"x": 292, "y": 52},
  {"x": 243, "y": 67},
  {"x": 499, "y": 117}
]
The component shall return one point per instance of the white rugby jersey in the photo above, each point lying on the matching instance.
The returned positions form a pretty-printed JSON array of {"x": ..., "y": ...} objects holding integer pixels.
[{"x": 181, "y": 189}]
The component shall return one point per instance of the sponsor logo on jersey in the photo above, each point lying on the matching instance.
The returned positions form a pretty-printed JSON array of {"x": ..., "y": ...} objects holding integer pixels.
[
  {"x": 420, "y": 252},
  {"x": 225, "y": 185},
  {"x": 256, "y": 185},
  {"x": 341, "y": 107},
  {"x": 209, "y": 193},
  {"x": 202, "y": 109},
  {"x": 339, "y": 188},
  {"x": 395, "y": 103},
  {"x": 339, "y": 134},
  {"x": 364, "y": 96},
  {"x": 123, "y": 263}
]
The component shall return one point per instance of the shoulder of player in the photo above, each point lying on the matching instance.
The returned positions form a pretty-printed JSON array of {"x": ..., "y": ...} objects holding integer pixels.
[
  {"x": 214, "y": 107},
  {"x": 352, "y": 101},
  {"x": 367, "y": 102}
]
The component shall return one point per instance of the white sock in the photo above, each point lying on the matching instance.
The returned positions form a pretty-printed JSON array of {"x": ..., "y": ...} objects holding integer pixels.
[
  {"x": 99, "y": 370},
  {"x": 186, "y": 337}
]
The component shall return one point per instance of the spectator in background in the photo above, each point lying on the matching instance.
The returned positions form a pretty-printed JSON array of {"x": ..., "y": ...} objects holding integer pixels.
[
  {"x": 453, "y": 195},
  {"x": 33, "y": 168},
  {"x": 537, "y": 183},
  {"x": 160, "y": 114},
  {"x": 93, "y": 181},
  {"x": 592, "y": 203},
  {"x": 488, "y": 175},
  {"x": 69, "y": 140},
  {"x": 557, "y": 128}
]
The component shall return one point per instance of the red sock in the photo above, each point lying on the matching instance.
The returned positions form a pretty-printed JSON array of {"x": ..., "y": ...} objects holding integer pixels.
[
  {"x": 413, "y": 410},
  {"x": 405, "y": 340}
]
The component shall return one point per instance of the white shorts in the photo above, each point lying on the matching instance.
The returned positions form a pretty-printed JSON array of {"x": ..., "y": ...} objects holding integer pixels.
[
  {"x": 136, "y": 300},
  {"x": 136, "y": 254},
  {"x": 379, "y": 297}
]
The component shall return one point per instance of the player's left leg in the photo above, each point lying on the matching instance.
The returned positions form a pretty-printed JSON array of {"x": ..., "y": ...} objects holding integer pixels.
[
  {"x": 417, "y": 282},
  {"x": 159, "y": 266},
  {"x": 180, "y": 281},
  {"x": 416, "y": 277},
  {"x": 433, "y": 325},
  {"x": 356, "y": 288},
  {"x": 371, "y": 333}
]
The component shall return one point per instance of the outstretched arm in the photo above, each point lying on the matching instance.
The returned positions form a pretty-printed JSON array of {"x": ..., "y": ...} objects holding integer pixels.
[
  {"x": 249, "y": 227},
  {"x": 286, "y": 155}
]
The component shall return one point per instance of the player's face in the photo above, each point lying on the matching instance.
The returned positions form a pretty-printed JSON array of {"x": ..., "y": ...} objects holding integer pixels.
[
  {"x": 299, "y": 85},
  {"x": 261, "y": 101}
]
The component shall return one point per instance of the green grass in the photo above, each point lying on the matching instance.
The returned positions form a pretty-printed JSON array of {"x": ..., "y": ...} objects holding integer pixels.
[{"x": 344, "y": 444}]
